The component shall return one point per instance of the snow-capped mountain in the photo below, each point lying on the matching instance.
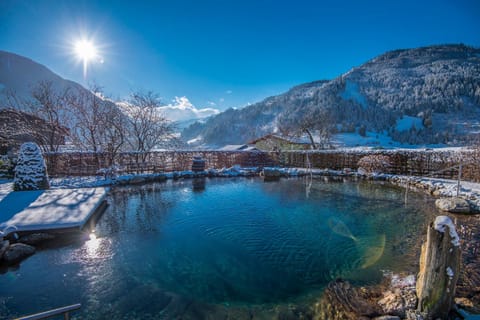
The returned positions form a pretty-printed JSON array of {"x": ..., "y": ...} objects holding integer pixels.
[
  {"x": 19, "y": 76},
  {"x": 419, "y": 96}
]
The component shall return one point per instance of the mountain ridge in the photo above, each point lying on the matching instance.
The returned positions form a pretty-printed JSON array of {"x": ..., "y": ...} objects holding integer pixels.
[
  {"x": 20, "y": 75},
  {"x": 439, "y": 85}
]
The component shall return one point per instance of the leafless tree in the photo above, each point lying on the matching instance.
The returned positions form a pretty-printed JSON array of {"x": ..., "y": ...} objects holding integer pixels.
[
  {"x": 98, "y": 124},
  {"x": 316, "y": 122},
  {"x": 49, "y": 104},
  {"x": 10, "y": 100},
  {"x": 115, "y": 132},
  {"x": 149, "y": 127},
  {"x": 88, "y": 118}
]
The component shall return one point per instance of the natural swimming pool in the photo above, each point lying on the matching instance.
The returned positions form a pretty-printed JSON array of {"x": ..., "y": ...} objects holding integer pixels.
[{"x": 163, "y": 249}]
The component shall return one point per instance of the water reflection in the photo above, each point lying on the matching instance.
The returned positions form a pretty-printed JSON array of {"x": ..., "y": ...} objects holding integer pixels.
[
  {"x": 371, "y": 247},
  {"x": 339, "y": 227},
  {"x": 159, "y": 248},
  {"x": 92, "y": 245},
  {"x": 198, "y": 184}
]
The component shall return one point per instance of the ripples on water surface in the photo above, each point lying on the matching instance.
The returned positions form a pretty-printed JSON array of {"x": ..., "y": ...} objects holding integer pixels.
[{"x": 233, "y": 242}]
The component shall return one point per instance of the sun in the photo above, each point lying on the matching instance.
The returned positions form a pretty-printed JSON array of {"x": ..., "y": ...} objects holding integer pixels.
[{"x": 86, "y": 51}]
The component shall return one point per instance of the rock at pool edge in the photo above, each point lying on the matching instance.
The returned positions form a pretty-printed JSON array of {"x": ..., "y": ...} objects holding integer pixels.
[
  {"x": 453, "y": 205},
  {"x": 17, "y": 252}
]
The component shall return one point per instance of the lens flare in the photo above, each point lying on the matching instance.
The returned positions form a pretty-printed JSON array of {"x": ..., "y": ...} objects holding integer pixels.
[{"x": 86, "y": 51}]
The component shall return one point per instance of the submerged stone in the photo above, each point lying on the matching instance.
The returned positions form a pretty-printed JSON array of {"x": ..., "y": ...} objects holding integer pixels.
[
  {"x": 343, "y": 301},
  {"x": 17, "y": 252},
  {"x": 3, "y": 247}
]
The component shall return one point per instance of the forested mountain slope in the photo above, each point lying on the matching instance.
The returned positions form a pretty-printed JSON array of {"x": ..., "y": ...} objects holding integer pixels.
[{"x": 436, "y": 88}]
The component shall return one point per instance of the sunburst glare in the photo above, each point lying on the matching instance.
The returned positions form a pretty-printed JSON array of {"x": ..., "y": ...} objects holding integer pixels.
[{"x": 86, "y": 51}]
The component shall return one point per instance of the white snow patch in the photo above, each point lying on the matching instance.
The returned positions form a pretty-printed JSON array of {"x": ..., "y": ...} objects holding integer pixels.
[
  {"x": 351, "y": 92},
  {"x": 443, "y": 221},
  {"x": 372, "y": 139},
  {"x": 6, "y": 187},
  {"x": 402, "y": 282},
  {"x": 195, "y": 141},
  {"x": 450, "y": 273},
  {"x": 407, "y": 122}
]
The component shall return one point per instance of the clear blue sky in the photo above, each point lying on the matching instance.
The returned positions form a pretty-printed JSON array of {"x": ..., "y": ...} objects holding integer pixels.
[{"x": 226, "y": 53}]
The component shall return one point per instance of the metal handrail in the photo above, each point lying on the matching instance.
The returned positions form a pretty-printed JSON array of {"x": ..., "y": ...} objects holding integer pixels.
[{"x": 54, "y": 312}]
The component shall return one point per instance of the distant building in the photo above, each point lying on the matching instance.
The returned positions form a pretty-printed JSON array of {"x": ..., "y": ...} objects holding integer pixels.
[{"x": 273, "y": 142}]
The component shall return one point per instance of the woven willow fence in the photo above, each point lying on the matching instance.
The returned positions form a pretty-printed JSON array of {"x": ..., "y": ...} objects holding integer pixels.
[
  {"x": 87, "y": 163},
  {"x": 434, "y": 163}
]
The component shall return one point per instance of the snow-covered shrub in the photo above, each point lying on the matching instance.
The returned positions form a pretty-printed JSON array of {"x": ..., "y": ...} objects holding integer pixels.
[
  {"x": 375, "y": 163},
  {"x": 31, "y": 171}
]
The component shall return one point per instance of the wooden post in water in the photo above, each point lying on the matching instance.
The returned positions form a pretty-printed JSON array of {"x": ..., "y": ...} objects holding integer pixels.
[{"x": 439, "y": 269}]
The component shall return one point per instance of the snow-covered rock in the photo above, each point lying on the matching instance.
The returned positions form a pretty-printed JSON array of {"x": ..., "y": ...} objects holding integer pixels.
[
  {"x": 454, "y": 205},
  {"x": 31, "y": 171}
]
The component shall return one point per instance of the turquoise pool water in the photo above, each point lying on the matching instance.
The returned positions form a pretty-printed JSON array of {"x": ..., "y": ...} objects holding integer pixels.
[{"x": 235, "y": 243}]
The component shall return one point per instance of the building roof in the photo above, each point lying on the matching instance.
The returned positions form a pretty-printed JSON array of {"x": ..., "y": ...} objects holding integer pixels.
[
  {"x": 238, "y": 147},
  {"x": 303, "y": 140}
]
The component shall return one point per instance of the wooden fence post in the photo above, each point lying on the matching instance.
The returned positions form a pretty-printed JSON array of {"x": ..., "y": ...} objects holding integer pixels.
[{"x": 439, "y": 269}]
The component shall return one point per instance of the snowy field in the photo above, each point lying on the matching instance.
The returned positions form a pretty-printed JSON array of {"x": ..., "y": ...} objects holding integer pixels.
[{"x": 378, "y": 140}]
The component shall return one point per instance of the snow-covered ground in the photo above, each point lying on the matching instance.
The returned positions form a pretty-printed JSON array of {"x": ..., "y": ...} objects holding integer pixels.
[
  {"x": 407, "y": 122},
  {"x": 376, "y": 140},
  {"x": 352, "y": 92},
  {"x": 6, "y": 186}
]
